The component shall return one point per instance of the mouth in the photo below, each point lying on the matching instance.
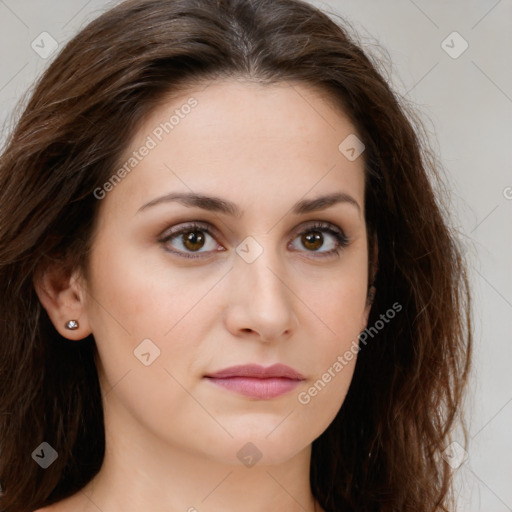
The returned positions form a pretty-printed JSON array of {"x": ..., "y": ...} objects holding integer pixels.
[{"x": 256, "y": 381}]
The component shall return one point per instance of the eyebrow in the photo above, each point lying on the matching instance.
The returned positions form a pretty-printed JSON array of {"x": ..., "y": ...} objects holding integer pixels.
[{"x": 216, "y": 204}]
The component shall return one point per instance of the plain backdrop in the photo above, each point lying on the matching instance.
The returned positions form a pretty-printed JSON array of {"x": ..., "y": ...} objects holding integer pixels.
[{"x": 452, "y": 60}]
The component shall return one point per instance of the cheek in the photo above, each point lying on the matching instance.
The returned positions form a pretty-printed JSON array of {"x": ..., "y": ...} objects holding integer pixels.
[
  {"x": 336, "y": 302},
  {"x": 134, "y": 309},
  {"x": 335, "y": 354},
  {"x": 339, "y": 306},
  {"x": 145, "y": 322},
  {"x": 140, "y": 297}
]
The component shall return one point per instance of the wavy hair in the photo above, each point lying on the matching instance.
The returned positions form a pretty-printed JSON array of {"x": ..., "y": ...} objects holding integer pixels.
[{"x": 383, "y": 450}]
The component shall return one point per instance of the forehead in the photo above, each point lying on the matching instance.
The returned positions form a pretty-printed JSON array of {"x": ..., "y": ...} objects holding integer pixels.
[{"x": 244, "y": 140}]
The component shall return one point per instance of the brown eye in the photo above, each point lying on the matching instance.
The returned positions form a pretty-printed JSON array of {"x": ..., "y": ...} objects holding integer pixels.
[
  {"x": 190, "y": 239},
  {"x": 324, "y": 239},
  {"x": 312, "y": 240},
  {"x": 193, "y": 240}
]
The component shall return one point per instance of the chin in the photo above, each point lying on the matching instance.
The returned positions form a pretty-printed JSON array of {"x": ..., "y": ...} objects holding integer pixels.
[{"x": 258, "y": 447}]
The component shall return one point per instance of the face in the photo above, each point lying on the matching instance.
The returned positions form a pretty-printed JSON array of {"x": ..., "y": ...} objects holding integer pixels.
[{"x": 180, "y": 288}]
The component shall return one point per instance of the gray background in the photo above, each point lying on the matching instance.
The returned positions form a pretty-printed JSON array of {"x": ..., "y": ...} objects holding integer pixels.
[{"x": 466, "y": 104}]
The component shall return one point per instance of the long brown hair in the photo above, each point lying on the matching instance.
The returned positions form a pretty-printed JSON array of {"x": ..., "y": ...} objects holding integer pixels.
[{"x": 383, "y": 451}]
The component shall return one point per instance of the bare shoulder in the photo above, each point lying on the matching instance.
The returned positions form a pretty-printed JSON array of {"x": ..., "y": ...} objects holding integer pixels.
[
  {"x": 57, "y": 507},
  {"x": 66, "y": 505},
  {"x": 52, "y": 508}
]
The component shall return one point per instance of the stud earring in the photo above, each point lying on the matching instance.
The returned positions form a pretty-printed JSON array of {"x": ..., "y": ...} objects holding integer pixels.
[{"x": 72, "y": 325}]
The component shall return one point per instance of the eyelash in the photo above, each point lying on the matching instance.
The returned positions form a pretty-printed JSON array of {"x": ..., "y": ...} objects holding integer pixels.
[{"x": 337, "y": 233}]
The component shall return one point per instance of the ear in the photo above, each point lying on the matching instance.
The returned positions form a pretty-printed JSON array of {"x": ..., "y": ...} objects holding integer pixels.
[
  {"x": 62, "y": 295},
  {"x": 373, "y": 268}
]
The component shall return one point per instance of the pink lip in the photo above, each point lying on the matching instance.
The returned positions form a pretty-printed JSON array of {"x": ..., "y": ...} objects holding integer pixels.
[{"x": 257, "y": 381}]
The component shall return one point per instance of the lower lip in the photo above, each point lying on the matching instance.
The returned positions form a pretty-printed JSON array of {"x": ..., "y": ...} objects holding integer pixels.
[{"x": 262, "y": 389}]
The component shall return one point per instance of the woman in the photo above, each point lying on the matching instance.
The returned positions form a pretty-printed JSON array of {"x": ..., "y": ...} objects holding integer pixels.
[{"x": 227, "y": 282}]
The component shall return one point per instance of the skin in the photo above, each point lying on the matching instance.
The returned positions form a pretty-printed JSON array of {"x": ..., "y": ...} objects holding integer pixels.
[{"x": 173, "y": 436}]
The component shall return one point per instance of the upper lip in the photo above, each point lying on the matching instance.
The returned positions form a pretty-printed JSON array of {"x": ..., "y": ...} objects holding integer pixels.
[{"x": 257, "y": 371}]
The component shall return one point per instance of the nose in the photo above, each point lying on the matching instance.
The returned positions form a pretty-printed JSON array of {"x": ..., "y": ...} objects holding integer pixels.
[{"x": 261, "y": 302}]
